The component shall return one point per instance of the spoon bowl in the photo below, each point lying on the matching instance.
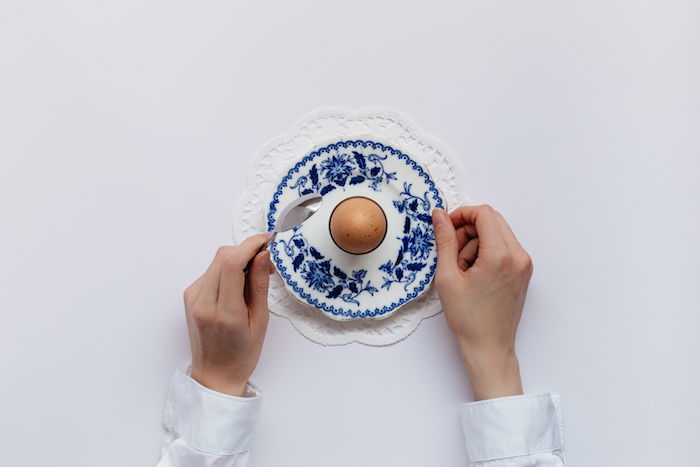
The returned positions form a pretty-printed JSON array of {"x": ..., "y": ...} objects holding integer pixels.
[
  {"x": 295, "y": 214},
  {"x": 292, "y": 215}
]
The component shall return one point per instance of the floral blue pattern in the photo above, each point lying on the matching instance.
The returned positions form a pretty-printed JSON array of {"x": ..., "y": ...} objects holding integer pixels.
[
  {"x": 321, "y": 275},
  {"x": 335, "y": 171},
  {"x": 416, "y": 243},
  {"x": 305, "y": 269}
]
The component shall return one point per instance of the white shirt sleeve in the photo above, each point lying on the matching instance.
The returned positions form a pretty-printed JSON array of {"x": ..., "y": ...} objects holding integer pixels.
[
  {"x": 518, "y": 431},
  {"x": 206, "y": 428}
]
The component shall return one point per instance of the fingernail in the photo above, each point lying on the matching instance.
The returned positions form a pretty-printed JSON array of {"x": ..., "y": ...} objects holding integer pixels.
[
  {"x": 438, "y": 216},
  {"x": 265, "y": 260}
]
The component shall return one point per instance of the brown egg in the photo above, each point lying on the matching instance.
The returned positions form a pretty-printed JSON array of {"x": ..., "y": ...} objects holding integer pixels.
[{"x": 358, "y": 225}]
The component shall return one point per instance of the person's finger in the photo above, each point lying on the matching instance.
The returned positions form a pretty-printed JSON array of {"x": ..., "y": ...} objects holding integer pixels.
[
  {"x": 231, "y": 300},
  {"x": 469, "y": 229},
  {"x": 468, "y": 254},
  {"x": 191, "y": 293},
  {"x": 446, "y": 241},
  {"x": 257, "y": 286},
  {"x": 486, "y": 223},
  {"x": 464, "y": 234},
  {"x": 208, "y": 283}
]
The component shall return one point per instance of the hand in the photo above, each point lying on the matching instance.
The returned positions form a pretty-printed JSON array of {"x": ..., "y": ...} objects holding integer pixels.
[
  {"x": 227, "y": 316},
  {"x": 482, "y": 278}
]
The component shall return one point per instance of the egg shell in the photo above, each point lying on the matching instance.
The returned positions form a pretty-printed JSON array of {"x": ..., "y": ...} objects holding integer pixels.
[{"x": 358, "y": 225}]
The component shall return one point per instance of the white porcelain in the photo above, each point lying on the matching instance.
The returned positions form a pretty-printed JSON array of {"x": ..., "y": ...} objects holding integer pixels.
[{"x": 347, "y": 286}]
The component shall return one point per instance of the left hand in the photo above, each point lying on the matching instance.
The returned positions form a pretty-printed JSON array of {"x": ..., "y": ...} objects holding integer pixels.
[
  {"x": 227, "y": 316},
  {"x": 482, "y": 279}
]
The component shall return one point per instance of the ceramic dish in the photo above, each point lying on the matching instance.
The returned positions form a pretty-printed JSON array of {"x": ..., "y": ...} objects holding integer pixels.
[{"x": 348, "y": 286}]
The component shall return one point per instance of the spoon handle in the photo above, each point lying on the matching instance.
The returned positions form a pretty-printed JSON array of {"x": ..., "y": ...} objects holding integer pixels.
[{"x": 265, "y": 246}]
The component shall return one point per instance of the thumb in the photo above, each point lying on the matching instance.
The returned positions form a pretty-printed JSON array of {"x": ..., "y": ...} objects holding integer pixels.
[
  {"x": 257, "y": 284},
  {"x": 446, "y": 240}
]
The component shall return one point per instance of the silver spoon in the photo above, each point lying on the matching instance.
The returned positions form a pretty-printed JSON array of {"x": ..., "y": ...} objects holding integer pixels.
[{"x": 291, "y": 216}]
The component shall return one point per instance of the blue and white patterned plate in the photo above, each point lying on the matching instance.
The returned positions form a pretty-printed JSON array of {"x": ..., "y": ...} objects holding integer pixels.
[{"x": 342, "y": 285}]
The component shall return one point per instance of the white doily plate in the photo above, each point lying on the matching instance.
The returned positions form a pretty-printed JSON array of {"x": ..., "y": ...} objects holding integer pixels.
[{"x": 272, "y": 162}]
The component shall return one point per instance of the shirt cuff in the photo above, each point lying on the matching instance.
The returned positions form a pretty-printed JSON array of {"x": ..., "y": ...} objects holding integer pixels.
[
  {"x": 512, "y": 426},
  {"x": 208, "y": 420}
]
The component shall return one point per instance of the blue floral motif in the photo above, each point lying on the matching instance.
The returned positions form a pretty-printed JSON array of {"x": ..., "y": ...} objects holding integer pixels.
[
  {"x": 374, "y": 173},
  {"x": 343, "y": 169},
  {"x": 317, "y": 275},
  {"x": 321, "y": 275},
  {"x": 337, "y": 169},
  {"x": 420, "y": 242},
  {"x": 417, "y": 240},
  {"x": 416, "y": 207}
]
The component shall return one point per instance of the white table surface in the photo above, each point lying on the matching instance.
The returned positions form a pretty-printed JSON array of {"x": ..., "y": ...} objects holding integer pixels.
[{"x": 123, "y": 129}]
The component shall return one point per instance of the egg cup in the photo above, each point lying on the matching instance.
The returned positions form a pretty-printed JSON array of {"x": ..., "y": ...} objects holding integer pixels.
[{"x": 345, "y": 285}]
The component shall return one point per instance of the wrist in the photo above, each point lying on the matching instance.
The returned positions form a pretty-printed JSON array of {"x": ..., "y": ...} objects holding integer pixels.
[
  {"x": 493, "y": 371},
  {"x": 215, "y": 382}
]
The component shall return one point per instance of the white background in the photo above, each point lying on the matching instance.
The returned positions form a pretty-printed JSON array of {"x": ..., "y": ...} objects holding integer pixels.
[{"x": 124, "y": 127}]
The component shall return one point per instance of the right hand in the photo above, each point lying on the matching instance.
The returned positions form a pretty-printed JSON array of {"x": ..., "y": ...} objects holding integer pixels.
[
  {"x": 482, "y": 279},
  {"x": 227, "y": 316}
]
